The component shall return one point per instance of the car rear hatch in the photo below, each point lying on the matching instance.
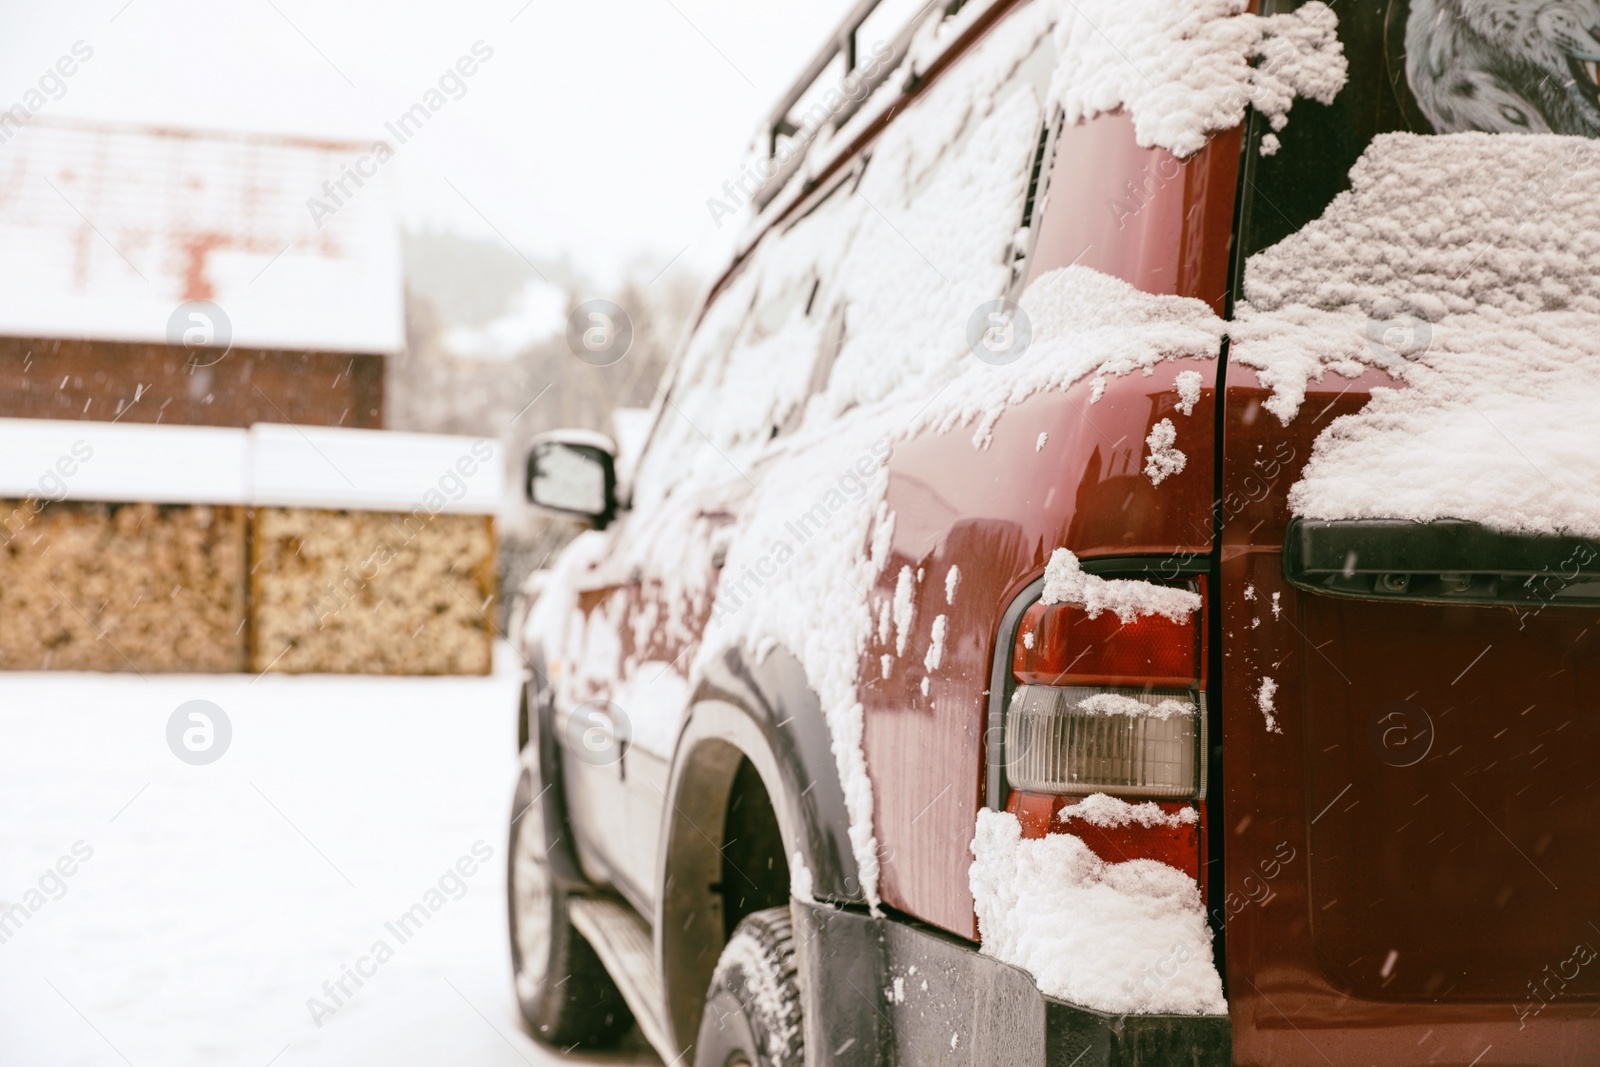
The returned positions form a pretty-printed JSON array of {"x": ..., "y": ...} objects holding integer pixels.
[
  {"x": 1412, "y": 787},
  {"x": 1411, "y": 710}
]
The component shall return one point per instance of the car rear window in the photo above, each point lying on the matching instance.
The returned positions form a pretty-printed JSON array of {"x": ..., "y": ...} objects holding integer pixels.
[{"x": 1424, "y": 66}]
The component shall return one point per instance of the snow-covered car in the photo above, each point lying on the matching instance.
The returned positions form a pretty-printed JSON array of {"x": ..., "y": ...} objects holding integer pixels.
[{"x": 1111, "y": 578}]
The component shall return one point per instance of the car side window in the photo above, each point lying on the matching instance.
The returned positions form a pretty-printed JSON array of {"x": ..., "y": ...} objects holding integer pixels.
[{"x": 869, "y": 292}]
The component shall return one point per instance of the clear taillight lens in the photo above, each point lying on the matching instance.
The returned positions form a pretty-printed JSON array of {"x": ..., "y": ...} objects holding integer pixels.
[{"x": 1143, "y": 743}]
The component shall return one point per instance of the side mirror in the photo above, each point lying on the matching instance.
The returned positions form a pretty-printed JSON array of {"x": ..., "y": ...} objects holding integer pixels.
[{"x": 574, "y": 472}]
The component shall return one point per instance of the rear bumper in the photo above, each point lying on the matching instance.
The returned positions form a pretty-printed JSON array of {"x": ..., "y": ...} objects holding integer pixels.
[{"x": 883, "y": 991}]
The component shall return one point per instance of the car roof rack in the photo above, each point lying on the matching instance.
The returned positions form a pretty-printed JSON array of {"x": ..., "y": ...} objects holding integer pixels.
[{"x": 842, "y": 42}]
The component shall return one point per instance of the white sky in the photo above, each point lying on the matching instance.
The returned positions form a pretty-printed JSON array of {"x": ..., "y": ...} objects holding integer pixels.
[{"x": 597, "y": 130}]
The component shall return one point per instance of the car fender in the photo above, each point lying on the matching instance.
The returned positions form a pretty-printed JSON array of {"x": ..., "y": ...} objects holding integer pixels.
[{"x": 764, "y": 710}]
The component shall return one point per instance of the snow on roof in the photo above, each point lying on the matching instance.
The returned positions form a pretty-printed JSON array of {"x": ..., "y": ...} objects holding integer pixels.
[
  {"x": 268, "y": 465},
  {"x": 56, "y": 459},
  {"x": 374, "y": 470},
  {"x": 106, "y": 229}
]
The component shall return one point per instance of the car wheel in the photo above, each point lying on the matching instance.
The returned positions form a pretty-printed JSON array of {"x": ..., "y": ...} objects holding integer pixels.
[
  {"x": 562, "y": 987},
  {"x": 752, "y": 1016}
]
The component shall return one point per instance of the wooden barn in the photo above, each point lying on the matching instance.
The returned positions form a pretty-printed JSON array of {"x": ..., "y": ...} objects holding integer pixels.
[
  {"x": 193, "y": 471},
  {"x": 120, "y": 243}
]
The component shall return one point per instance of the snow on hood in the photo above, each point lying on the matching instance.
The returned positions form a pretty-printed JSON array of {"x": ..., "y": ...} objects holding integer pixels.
[
  {"x": 1121, "y": 938},
  {"x": 1467, "y": 266}
]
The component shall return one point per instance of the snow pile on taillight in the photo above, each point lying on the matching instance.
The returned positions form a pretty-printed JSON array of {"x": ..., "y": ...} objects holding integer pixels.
[
  {"x": 1187, "y": 68},
  {"x": 1467, "y": 266},
  {"x": 1117, "y": 704},
  {"x": 1066, "y": 582},
  {"x": 1121, "y": 938},
  {"x": 1098, "y": 809}
]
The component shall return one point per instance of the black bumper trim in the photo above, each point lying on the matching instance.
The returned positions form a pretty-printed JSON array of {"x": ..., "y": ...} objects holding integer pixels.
[{"x": 887, "y": 991}]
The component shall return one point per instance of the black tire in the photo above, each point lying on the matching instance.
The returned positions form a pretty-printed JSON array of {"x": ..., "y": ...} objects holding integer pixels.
[
  {"x": 563, "y": 989},
  {"x": 753, "y": 1006}
]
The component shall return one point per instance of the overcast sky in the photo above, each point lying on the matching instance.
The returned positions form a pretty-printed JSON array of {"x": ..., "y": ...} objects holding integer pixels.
[{"x": 597, "y": 129}]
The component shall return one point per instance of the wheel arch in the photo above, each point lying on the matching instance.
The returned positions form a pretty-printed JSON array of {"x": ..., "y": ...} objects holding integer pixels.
[
  {"x": 759, "y": 711},
  {"x": 539, "y": 750}
]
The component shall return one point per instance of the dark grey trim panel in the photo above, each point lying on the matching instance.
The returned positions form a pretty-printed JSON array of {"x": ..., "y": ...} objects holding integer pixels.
[
  {"x": 1001, "y": 686},
  {"x": 766, "y": 714},
  {"x": 539, "y": 704},
  {"x": 778, "y": 699},
  {"x": 893, "y": 992}
]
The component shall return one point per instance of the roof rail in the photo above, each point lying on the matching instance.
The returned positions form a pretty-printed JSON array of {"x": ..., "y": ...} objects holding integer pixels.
[{"x": 841, "y": 42}]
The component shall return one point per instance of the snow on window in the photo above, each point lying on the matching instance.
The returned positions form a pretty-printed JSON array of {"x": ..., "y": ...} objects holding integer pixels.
[
  {"x": 952, "y": 578},
  {"x": 1164, "y": 458},
  {"x": 1066, "y": 582},
  {"x": 1038, "y": 446},
  {"x": 1186, "y": 68},
  {"x": 1182, "y": 68},
  {"x": 1467, "y": 266},
  {"x": 1116, "y": 937}
]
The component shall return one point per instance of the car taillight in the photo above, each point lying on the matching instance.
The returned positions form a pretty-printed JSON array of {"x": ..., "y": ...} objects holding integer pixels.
[
  {"x": 1061, "y": 644},
  {"x": 1104, "y": 705},
  {"x": 1123, "y": 742}
]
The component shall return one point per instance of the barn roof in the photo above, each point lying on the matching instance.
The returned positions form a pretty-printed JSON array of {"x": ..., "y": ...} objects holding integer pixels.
[{"x": 106, "y": 229}]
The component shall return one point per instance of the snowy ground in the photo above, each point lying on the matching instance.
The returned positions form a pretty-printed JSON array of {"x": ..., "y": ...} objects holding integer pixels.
[{"x": 215, "y": 900}]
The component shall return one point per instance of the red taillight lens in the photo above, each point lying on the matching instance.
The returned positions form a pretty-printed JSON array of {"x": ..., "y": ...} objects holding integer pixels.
[{"x": 1059, "y": 644}]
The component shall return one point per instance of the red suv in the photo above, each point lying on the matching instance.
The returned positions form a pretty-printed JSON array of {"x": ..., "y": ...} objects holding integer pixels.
[{"x": 1111, "y": 579}]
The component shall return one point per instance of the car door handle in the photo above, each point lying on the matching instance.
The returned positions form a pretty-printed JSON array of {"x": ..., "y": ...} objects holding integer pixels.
[
  {"x": 1448, "y": 561},
  {"x": 595, "y": 735}
]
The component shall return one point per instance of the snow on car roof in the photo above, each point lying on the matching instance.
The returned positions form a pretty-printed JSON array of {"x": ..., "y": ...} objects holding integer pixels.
[{"x": 105, "y": 229}]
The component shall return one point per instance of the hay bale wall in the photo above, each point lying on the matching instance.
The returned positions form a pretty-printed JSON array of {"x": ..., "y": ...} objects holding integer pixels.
[
  {"x": 360, "y": 592},
  {"x": 121, "y": 587}
]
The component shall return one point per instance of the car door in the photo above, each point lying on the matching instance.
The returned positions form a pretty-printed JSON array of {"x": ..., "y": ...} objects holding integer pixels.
[{"x": 760, "y": 350}]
